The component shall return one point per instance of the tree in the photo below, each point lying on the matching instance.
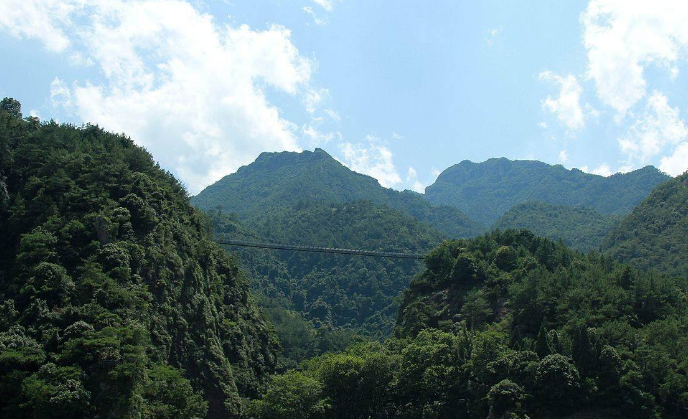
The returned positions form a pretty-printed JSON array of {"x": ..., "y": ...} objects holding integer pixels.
[
  {"x": 291, "y": 396},
  {"x": 12, "y": 107},
  {"x": 504, "y": 399},
  {"x": 168, "y": 395},
  {"x": 543, "y": 344},
  {"x": 584, "y": 352},
  {"x": 506, "y": 258},
  {"x": 557, "y": 382}
]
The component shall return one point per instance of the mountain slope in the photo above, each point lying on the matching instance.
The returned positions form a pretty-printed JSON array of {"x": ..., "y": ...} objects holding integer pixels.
[
  {"x": 115, "y": 300},
  {"x": 284, "y": 179},
  {"x": 655, "y": 234},
  {"x": 541, "y": 300},
  {"x": 334, "y": 290},
  {"x": 509, "y": 325},
  {"x": 487, "y": 190},
  {"x": 578, "y": 227}
]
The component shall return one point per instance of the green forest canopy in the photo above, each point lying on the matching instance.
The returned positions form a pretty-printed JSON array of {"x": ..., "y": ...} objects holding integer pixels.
[
  {"x": 509, "y": 325},
  {"x": 278, "y": 180},
  {"x": 116, "y": 303},
  {"x": 578, "y": 227},
  {"x": 332, "y": 291},
  {"x": 655, "y": 234},
  {"x": 485, "y": 191},
  {"x": 115, "y": 300}
]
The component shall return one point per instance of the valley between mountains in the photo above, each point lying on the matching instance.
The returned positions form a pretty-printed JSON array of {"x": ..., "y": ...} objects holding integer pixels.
[{"x": 544, "y": 292}]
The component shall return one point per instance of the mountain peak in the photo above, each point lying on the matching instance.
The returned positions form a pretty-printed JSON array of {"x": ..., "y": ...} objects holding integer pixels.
[
  {"x": 487, "y": 190},
  {"x": 288, "y": 178}
]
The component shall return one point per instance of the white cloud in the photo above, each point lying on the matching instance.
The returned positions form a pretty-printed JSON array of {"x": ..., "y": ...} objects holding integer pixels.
[
  {"x": 657, "y": 131},
  {"x": 601, "y": 170},
  {"x": 372, "y": 159},
  {"x": 493, "y": 34},
  {"x": 325, "y": 4},
  {"x": 677, "y": 163},
  {"x": 412, "y": 180},
  {"x": 542, "y": 125},
  {"x": 316, "y": 19},
  {"x": 567, "y": 106},
  {"x": 315, "y": 138},
  {"x": 396, "y": 136},
  {"x": 189, "y": 89},
  {"x": 334, "y": 115},
  {"x": 622, "y": 37},
  {"x": 314, "y": 97},
  {"x": 60, "y": 95},
  {"x": 42, "y": 20},
  {"x": 563, "y": 156}
]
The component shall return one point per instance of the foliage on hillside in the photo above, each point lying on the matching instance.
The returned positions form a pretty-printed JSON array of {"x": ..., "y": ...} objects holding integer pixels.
[
  {"x": 334, "y": 290},
  {"x": 283, "y": 180},
  {"x": 485, "y": 191},
  {"x": 509, "y": 326},
  {"x": 115, "y": 300},
  {"x": 578, "y": 227},
  {"x": 655, "y": 234}
]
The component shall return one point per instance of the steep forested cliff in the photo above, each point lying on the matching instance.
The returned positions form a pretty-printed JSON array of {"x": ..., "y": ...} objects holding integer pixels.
[
  {"x": 334, "y": 290},
  {"x": 508, "y": 326},
  {"x": 655, "y": 234},
  {"x": 115, "y": 300}
]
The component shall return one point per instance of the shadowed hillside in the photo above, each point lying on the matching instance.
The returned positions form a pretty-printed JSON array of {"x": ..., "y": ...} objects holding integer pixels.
[
  {"x": 578, "y": 227},
  {"x": 655, "y": 234},
  {"x": 115, "y": 300},
  {"x": 485, "y": 191}
]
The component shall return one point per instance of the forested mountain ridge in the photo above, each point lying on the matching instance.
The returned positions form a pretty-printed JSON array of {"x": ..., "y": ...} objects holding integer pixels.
[
  {"x": 507, "y": 326},
  {"x": 284, "y": 179},
  {"x": 333, "y": 290},
  {"x": 115, "y": 300},
  {"x": 655, "y": 234},
  {"x": 578, "y": 227},
  {"x": 485, "y": 191}
]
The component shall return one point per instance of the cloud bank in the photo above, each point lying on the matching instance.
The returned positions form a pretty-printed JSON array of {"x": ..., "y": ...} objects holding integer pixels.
[{"x": 189, "y": 89}]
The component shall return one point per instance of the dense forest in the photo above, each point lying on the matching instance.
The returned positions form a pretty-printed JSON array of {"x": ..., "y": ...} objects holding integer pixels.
[
  {"x": 655, "y": 234},
  {"x": 332, "y": 292},
  {"x": 485, "y": 191},
  {"x": 277, "y": 180},
  {"x": 509, "y": 325},
  {"x": 581, "y": 228},
  {"x": 115, "y": 300}
]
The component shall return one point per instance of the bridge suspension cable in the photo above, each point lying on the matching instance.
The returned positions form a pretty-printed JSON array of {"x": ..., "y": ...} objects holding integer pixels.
[{"x": 313, "y": 249}]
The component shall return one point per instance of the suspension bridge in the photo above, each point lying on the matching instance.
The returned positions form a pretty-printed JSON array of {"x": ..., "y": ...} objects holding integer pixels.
[{"x": 314, "y": 249}]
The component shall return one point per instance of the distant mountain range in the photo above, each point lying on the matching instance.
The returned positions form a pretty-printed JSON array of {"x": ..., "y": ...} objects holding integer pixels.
[
  {"x": 287, "y": 178},
  {"x": 311, "y": 198},
  {"x": 485, "y": 191},
  {"x": 116, "y": 301}
]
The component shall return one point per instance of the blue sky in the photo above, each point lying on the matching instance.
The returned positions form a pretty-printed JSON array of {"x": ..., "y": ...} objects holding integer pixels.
[{"x": 398, "y": 90}]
